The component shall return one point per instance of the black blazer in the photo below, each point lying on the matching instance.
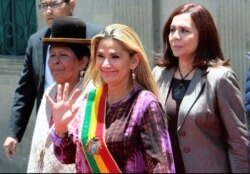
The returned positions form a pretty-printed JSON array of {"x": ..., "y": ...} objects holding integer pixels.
[{"x": 31, "y": 84}]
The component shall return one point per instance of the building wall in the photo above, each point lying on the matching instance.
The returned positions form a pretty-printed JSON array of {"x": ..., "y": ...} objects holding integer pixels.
[
  {"x": 232, "y": 20},
  {"x": 147, "y": 17}
]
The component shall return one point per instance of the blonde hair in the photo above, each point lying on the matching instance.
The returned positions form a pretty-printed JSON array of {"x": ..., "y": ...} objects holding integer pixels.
[{"x": 131, "y": 42}]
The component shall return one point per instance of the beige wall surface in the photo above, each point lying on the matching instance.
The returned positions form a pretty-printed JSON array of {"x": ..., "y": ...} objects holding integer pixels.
[
  {"x": 147, "y": 17},
  {"x": 232, "y": 20}
]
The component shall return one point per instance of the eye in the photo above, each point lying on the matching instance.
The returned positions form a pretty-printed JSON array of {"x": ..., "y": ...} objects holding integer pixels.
[
  {"x": 172, "y": 30},
  {"x": 100, "y": 56},
  {"x": 115, "y": 56},
  {"x": 55, "y": 4},
  {"x": 52, "y": 56},
  {"x": 63, "y": 57},
  {"x": 43, "y": 5},
  {"x": 184, "y": 30}
]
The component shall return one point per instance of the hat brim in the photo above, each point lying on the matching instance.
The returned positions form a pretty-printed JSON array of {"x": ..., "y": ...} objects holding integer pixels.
[{"x": 50, "y": 41}]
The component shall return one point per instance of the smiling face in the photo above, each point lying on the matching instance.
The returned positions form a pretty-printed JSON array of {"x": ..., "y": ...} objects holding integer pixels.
[
  {"x": 64, "y": 65},
  {"x": 114, "y": 62},
  {"x": 183, "y": 36}
]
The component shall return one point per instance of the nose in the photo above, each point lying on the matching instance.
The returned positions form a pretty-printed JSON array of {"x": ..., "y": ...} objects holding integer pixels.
[
  {"x": 176, "y": 35},
  {"x": 54, "y": 60},
  {"x": 48, "y": 9},
  {"x": 106, "y": 63}
]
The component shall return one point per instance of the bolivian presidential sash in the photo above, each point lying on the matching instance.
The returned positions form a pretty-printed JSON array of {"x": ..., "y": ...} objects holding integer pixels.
[{"x": 97, "y": 154}]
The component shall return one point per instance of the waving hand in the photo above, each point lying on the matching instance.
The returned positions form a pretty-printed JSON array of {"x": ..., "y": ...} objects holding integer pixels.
[{"x": 63, "y": 109}]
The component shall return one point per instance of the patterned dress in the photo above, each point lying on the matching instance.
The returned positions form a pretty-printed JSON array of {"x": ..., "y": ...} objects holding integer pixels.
[{"x": 136, "y": 135}]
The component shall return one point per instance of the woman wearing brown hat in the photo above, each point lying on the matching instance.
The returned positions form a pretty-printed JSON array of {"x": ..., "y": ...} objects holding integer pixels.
[{"x": 69, "y": 56}]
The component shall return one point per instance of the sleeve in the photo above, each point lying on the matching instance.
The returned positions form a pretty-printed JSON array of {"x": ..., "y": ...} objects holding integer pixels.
[
  {"x": 64, "y": 148},
  {"x": 156, "y": 140},
  {"x": 24, "y": 98},
  {"x": 234, "y": 119}
]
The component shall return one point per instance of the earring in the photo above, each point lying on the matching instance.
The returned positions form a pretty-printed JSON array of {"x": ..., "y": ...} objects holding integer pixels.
[
  {"x": 81, "y": 74},
  {"x": 133, "y": 74}
]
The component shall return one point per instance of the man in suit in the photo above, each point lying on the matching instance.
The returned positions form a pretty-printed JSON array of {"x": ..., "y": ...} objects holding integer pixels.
[{"x": 36, "y": 77}]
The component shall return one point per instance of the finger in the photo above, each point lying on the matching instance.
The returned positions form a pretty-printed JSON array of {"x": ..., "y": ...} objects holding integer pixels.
[
  {"x": 12, "y": 153},
  {"x": 13, "y": 148},
  {"x": 74, "y": 96},
  {"x": 59, "y": 93},
  {"x": 74, "y": 111},
  {"x": 66, "y": 91},
  {"x": 9, "y": 154}
]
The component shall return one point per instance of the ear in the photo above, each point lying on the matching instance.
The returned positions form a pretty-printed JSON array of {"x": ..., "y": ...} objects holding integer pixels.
[
  {"x": 84, "y": 62},
  {"x": 135, "y": 61},
  {"x": 72, "y": 4}
]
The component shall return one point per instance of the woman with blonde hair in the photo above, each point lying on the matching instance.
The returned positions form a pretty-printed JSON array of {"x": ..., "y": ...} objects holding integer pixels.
[{"x": 119, "y": 126}]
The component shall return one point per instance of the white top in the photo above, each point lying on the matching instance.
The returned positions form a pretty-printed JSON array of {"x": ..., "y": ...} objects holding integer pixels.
[{"x": 48, "y": 81}]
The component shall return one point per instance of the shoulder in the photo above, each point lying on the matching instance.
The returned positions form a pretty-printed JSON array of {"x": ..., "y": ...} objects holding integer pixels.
[
  {"x": 145, "y": 98},
  {"x": 158, "y": 72},
  {"x": 158, "y": 69},
  {"x": 39, "y": 34},
  {"x": 147, "y": 94},
  {"x": 223, "y": 78},
  {"x": 220, "y": 72},
  {"x": 146, "y": 104},
  {"x": 51, "y": 88},
  {"x": 92, "y": 29}
]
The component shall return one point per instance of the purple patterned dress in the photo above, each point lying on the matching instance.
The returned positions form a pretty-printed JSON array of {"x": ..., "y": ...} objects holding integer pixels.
[{"x": 136, "y": 136}]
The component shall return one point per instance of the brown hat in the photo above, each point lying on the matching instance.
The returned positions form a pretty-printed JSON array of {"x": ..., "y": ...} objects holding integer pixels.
[{"x": 68, "y": 30}]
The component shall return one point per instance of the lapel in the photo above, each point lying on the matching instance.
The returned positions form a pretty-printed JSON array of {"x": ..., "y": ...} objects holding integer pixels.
[
  {"x": 44, "y": 56},
  {"x": 165, "y": 85},
  {"x": 41, "y": 54},
  {"x": 194, "y": 90}
]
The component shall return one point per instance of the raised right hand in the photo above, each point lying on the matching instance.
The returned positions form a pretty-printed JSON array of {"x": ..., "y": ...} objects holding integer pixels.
[{"x": 63, "y": 110}]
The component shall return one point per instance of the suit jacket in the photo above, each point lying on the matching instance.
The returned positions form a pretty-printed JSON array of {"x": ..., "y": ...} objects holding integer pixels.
[
  {"x": 31, "y": 84},
  {"x": 211, "y": 128}
]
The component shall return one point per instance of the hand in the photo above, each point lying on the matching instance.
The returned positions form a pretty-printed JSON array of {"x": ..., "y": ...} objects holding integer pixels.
[
  {"x": 10, "y": 147},
  {"x": 63, "y": 110}
]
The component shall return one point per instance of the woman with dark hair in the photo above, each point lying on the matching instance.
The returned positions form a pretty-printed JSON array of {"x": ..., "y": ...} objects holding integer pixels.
[
  {"x": 68, "y": 59},
  {"x": 201, "y": 96}
]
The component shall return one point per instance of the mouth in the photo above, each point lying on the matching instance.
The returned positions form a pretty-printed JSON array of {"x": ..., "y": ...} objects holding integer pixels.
[
  {"x": 107, "y": 73},
  {"x": 57, "y": 71},
  {"x": 176, "y": 47},
  {"x": 50, "y": 18}
]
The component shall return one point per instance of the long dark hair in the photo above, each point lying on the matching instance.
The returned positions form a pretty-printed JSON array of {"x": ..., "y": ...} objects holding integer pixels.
[{"x": 208, "y": 52}]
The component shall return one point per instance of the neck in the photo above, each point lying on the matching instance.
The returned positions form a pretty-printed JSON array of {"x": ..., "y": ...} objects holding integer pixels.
[
  {"x": 71, "y": 86},
  {"x": 185, "y": 65},
  {"x": 185, "y": 69},
  {"x": 117, "y": 93}
]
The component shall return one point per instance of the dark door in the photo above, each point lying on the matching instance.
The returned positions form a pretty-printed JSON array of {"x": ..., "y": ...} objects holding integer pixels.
[{"x": 17, "y": 23}]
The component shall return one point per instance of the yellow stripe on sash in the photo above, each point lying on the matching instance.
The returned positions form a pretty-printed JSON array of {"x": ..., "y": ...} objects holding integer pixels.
[{"x": 100, "y": 160}]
